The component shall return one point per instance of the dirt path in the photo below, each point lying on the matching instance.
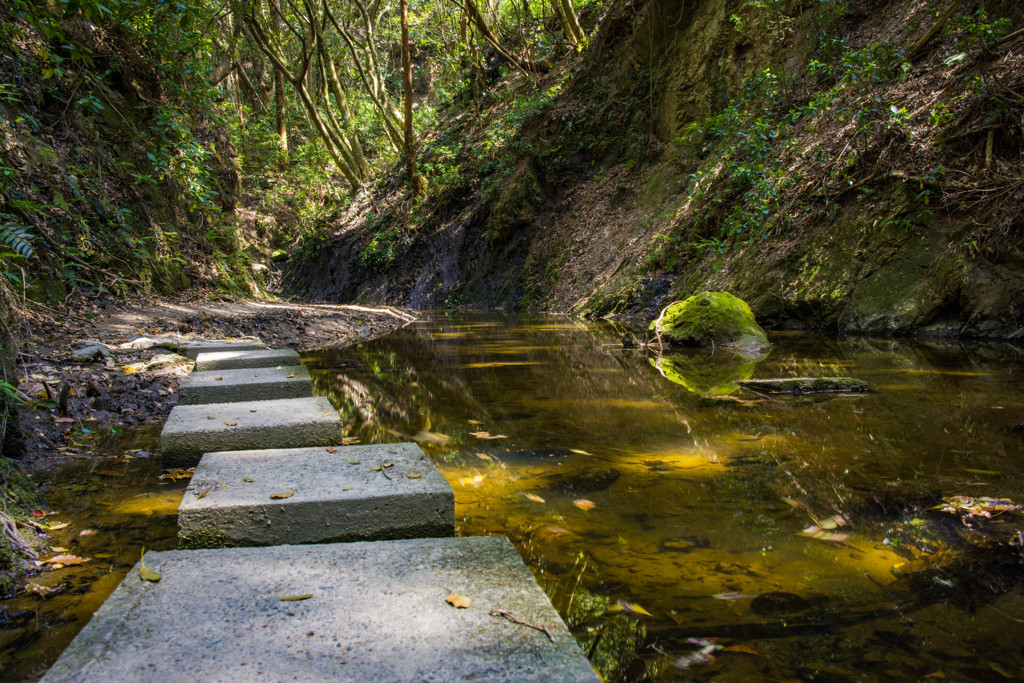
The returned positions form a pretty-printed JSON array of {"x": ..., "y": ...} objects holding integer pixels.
[{"x": 76, "y": 398}]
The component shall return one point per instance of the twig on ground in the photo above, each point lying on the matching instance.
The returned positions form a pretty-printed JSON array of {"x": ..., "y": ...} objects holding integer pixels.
[{"x": 516, "y": 620}]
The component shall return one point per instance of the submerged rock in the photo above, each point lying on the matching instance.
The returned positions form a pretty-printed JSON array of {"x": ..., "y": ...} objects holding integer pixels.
[
  {"x": 711, "y": 320},
  {"x": 588, "y": 482},
  {"x": 778, "y": 602},
  {"x": 805, "y": 385}
]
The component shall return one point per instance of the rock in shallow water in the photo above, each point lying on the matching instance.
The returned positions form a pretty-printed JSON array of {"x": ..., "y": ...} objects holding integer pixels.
[{"x": 710, "y": 320}]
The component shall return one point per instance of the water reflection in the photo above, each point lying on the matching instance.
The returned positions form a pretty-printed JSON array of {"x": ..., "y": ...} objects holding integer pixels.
[{"x": 658, "y": 515}]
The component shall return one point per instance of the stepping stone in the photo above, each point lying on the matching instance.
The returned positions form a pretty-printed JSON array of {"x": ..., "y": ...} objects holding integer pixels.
[
  {"x": 192, "y": 348},
  {"x": 334, "y": 496},
  {"x": 232, "y": 360},
  {"x": 371, "y": 612},
  {"x": 191, "y": 431},
  {"x": 228, "y": 386}
]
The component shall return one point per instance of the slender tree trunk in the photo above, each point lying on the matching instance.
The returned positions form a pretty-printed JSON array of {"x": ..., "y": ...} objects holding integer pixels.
[
  {"x": 279, "y": 94},
  {"x": 410, "y": 134}
]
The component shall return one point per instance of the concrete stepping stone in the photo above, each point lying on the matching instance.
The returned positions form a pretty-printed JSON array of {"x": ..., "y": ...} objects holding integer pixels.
[
  {"x": 339, "y": 612},
  {"x": 229, "y": 386},
  {"x": 233, "y": 360},
  {"x": 193, "y": 430},
  {"x": 192, "y": 348},
  {"x": 348, "y": 493}
]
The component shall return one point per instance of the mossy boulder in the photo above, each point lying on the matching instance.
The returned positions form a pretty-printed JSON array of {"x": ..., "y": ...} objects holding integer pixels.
[
  {"x": 712, "y": 320},
  {"x": 279, "y": 256}
]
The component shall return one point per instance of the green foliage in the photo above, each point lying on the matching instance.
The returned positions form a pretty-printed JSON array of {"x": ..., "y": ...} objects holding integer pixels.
[{"x": 384, "y": 247}]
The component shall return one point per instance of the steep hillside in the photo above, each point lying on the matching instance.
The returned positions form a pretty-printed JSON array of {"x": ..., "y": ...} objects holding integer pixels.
[{"x": 842, "y": 166}]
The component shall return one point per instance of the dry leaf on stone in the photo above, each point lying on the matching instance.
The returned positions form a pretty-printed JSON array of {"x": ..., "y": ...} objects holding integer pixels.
[
  {"x": 290, "y": 376},
  {"x": 145, "y": 573},
  {"x": 412, "y": 475},
  {"x": 282, "y": 495},
  {"x": 354, "y": 462},
  {"x": 249, "y": 479},
  {"x": 231, "y": 424},
  {"x": 458, "y": 601},
  {"x": 332, "y": 450},
  {"x": 294, "y": 598},
  {"x": 218, "y": 378}
]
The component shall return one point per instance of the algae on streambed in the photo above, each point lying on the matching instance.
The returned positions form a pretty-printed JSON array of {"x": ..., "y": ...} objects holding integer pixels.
[
  {"x": 113, "y": 503},
  {"x": 657, "y": 515}
]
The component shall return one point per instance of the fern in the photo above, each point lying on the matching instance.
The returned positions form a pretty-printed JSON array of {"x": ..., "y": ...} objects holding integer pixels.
[{"x": 18, "y": 238}]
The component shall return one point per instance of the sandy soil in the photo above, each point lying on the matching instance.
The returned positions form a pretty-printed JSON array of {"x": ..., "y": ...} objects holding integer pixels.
[{"x": 128, "y": 389}]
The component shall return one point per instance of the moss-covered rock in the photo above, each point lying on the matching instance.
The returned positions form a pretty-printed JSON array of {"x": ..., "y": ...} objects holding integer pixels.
[
  {"x": 710, "y": 320},
  {"x": 279, "y": 256}
]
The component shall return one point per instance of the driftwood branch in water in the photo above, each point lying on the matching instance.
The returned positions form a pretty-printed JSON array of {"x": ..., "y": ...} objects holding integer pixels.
[{"x": 18, "y": 544}]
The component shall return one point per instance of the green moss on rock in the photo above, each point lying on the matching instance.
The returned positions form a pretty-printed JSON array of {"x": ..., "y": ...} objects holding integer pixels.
[{"x": 711, "y": 319}]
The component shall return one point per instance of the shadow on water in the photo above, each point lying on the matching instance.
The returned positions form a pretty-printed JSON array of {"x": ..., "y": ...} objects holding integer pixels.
[{"x": 685, "y": 528}]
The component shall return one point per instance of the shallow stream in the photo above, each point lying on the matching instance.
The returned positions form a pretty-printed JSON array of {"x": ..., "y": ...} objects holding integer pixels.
[{"x": 683, "y": 528}]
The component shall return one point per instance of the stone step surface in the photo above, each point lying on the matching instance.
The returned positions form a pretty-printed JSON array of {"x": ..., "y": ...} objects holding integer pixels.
[
  {"x": 192, "y": 348},
  {"x": 193, "y": 430},
  {"x": 342, "y": 493},
  {"x": 232, "y": 360},
  {"x": 369, "y": 612},
  {"x": 229, "y": 386}
]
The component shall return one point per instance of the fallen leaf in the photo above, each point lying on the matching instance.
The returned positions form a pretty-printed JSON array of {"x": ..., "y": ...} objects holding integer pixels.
[
  {"x": 578, "y": 451},
  {"x": 282, "y": 495},
  {"x": 249, "y": 479},
  {"x": 145, "y": 573},
  {"x": 633, "y": 608},
  {"x": 487, "y": 435},
  {"x": 58, "y": 549},
  {"x": 534, "y": 497},
  {"x": 57, "y": 526},
  {"x": 290, "y": 376},
  {"x": 332, "y": 450},
  {"x": 678, "y": 618},
  {"x": 411, "y": 475},
  {"x": 354, "y": 462},
  {"x": 349, "y": 440},
  {"x": 294, "y": 598},
  {"x": 63, "y": 420},
  {"x": 87, "y": 532},
  {"x": 740, "y": 647},
  {"x": 584, "y": 504},
  {"x": 732, "y": 596},
  {"x": 458, "y": 601},
  {"x": 474, "y": 422},
  {"x": 218, "y": 378},
  {"x": 202, "y": 494},
  {"x": 431, "y": 437},
  {"x": 66, "y": 560},
  {"x": 376, "y": 469},
  {"x": 484, "y": 456},
  {"x": 42, "y": 591},
  {"x": 231, "y": 424},
  {"x": 987, "y": 473},
  {"x": 387, "y": 463}
]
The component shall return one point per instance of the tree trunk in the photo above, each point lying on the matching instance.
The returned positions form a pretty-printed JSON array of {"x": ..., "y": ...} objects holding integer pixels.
[
  {"x": 279, "y": 101},
  {"x": 410, "y": 134}
]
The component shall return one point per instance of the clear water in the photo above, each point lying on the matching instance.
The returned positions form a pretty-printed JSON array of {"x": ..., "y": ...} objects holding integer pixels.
[
  {"x": 662, "y": 510},
  {"x": 666, "y": 513}
]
